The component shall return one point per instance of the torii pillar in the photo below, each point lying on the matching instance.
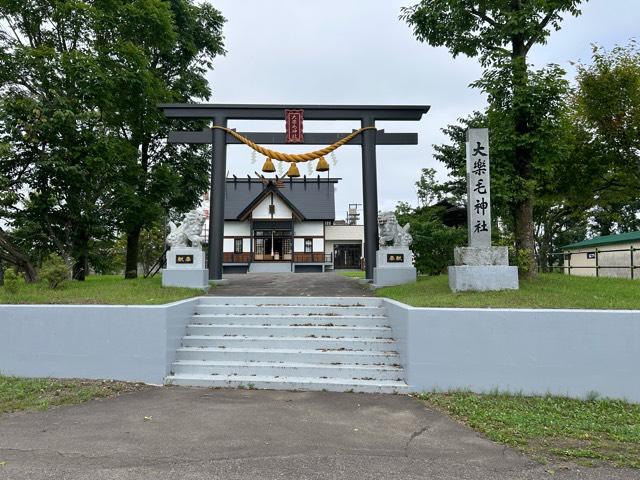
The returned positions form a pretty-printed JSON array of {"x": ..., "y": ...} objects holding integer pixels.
[{"x": 220, "y": 113}]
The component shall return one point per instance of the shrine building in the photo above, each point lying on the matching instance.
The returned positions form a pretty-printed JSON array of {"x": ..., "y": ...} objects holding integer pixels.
[{"x": 287, "y": 225}]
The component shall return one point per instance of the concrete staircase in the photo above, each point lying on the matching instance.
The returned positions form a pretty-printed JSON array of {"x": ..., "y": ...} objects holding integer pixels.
[{"x": 290, "y": 343}]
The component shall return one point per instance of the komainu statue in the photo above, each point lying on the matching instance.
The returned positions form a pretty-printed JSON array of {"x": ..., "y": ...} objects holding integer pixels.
[
  {"x": 190, "y": 230},
  {"x": 390, "y": 231}
]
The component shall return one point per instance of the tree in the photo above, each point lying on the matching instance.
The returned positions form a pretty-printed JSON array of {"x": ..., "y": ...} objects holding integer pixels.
[
  {"x": 82, "y": 144},
  {"x": 607, "y": 104},
  {"x": 501, "y": 34},
  {"x": 62, "y": 157},
  {"x": 166, "y": 64}
]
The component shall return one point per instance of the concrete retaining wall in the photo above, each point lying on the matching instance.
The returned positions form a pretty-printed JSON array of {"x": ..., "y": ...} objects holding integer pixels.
[
  {"x": 563, "y": 352},
  {"x": 132, "y": 343}
]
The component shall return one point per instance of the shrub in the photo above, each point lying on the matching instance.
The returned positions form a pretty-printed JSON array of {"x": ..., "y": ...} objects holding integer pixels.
[
  {"x": 54, "y": 270},
  {"x": 521, "y": 259},
  {"x": 11, "y": 281}
]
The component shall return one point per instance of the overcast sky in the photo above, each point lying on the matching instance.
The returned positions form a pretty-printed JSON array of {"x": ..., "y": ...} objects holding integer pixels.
[{"x": 358, "y": 52}]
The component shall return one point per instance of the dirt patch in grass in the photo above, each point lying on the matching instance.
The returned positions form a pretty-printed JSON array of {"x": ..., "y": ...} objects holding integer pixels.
[{"x": 18, "y": 394}]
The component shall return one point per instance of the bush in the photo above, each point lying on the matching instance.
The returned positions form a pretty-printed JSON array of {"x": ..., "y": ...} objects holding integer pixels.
[
  {"x": 11, "y": 281},
  {"x": 54, "y": 270},
  {"x": 521, "y": 259}
]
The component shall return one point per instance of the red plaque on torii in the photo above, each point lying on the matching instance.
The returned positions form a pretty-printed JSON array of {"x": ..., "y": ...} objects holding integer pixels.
[{"x": 294, "y": 120}]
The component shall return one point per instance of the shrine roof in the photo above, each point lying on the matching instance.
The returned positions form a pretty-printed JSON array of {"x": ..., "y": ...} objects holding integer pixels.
[{"x": 314, "y": 197}]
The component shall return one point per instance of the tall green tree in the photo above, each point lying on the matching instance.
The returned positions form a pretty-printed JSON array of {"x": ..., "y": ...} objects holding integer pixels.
[
  {"x": 607, "y": 104},
  {"x": 83, "y": 143},
  {"x": 166, "y": 63},
  {"x": 500, "y": 33},
  {"x": 61, "y": 157}
]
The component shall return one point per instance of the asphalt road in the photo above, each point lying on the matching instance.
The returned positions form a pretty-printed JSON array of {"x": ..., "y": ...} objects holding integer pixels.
[{"x": 177, "y": 433}]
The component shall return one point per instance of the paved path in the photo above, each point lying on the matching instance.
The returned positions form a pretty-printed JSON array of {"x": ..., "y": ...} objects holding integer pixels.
[
  {"x": 235, "y": 434},
  {"x": 291, "y": 285}
]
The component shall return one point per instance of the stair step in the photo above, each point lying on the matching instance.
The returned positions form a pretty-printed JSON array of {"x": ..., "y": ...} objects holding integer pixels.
[
  {"x": 342, "y": 301},
  {"x": 301, "y": 310},
  {"x": 290, "y": 343},
  {"x": 368, "y": 357},
  {"x": 293, "y": 320},
  {"x": 288, "y": 383},
  {"x": 287, "y": 330},
  {"x": 352, "y": 343},
  {"x": 347, "y": 371}
]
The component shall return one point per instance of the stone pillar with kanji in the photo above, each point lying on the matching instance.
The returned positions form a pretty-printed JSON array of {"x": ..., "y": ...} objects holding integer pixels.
[{"x": 480, "y": 267}]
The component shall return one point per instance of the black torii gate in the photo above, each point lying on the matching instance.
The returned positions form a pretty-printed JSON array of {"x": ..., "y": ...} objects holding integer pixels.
[{"x": 219, "y": 139}]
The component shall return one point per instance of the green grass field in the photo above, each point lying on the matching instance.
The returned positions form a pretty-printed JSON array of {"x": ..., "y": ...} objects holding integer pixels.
[
  {"x": 106, "y": 289},
  {"x": 545, "y": 291},
  {"x": 42, "y": 393},
  {"x": 352, "y": 273},
  {"x": 551, "y": 428}
]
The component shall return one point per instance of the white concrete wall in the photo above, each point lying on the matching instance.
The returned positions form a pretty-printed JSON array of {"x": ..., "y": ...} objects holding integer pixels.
[
  {"x": 130, "y": 343},
  {"x": 563, "y": 352},
  {"x": 262, "y": 210},
  {"x": 344, "y": 232},
  {"x": 613, "y": 259},
  {"x": 228, "y": 245},
  {"x": 308, "y": 229},
  {"x": 298, "y": 245},
  {"x": 237, "y": 229}
]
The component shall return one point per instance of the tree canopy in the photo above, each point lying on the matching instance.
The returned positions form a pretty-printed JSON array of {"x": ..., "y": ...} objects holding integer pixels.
[
  {"x": 83, "y": 152},
  {"x": 500, "y": 34},
  {"x": 586, "y": 167}
]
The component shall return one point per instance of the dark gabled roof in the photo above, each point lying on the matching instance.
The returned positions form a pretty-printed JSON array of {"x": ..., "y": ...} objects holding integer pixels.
[
  {"x": 270, "y": 189},
  {"x": 606, "y": 240},
  {"x": 313, "y": 198}
]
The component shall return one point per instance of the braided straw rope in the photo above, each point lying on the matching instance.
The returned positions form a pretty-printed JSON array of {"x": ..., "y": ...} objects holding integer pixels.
[{"x": 294, "y": 157}]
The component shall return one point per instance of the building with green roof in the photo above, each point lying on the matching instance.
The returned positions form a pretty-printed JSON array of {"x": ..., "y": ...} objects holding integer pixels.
[{"x": 605, "y": 256}]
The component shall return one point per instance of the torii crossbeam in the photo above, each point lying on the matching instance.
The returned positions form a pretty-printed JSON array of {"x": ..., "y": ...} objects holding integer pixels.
[{"x": 220, "y": 115}]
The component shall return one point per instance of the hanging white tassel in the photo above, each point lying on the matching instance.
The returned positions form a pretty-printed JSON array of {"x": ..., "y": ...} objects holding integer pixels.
[
  {"x": 254, "y": 157},
  {"x": 309, "y": 168},
  {"x": 280, "y": 168},
  {"x": 334, "y": 159}
]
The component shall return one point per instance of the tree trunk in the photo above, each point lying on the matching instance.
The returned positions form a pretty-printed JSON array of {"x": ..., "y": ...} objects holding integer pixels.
[
  {"x": 523, "y": 160},
  {"x": 81, "y": 264},
  {"x": 525, "y": 240},
  {"x": 545, "y": 258},
  {"x": 1, "y": 273},
  {"x": 133, "y": 244},
  {"x": 17, "y": 258},
  {"x": 80, "y": 267}
]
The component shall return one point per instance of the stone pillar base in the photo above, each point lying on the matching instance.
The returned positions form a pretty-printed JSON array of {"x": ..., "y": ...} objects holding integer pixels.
[
  {"x": 394, "y": 267},
  {"x": 389, "y": 276},
  {"x": 483, "y": 278},
  {"x": 188, "y": 278}
]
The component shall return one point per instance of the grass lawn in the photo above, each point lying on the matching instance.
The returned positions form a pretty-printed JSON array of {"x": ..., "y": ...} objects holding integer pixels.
[
  {"x": 352, "y": 273},
  {"x": 42, "y": 393},
  {"x": 545, "y": 291},
  {"x": 100, "y": 289},
  {"x": 551, "y": 428}
]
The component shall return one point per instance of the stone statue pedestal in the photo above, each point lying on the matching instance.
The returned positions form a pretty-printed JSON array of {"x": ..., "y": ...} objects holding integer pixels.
[
  {"x": 482, "y": 269},
  {"x": 185, "y": 268},
  {"x": 394, "y": 267}
]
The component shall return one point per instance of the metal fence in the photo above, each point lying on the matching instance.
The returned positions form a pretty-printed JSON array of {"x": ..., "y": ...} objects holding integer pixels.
[{"x": 621, "y": 262}]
